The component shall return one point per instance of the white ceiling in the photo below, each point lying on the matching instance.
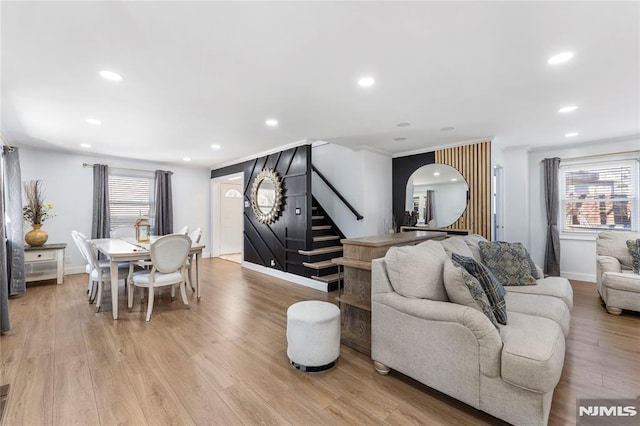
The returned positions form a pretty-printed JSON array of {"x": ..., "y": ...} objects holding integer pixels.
[{"x": 203, "y": 73}]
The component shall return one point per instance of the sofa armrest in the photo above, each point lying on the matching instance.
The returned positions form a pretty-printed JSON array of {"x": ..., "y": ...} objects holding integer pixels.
[
  {"x": 608, "y": 264},
  {"x": 478, "y": 327}
]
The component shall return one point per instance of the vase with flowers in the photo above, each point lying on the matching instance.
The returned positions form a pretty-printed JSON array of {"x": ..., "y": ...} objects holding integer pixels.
[{"x": 35, "y": 212}]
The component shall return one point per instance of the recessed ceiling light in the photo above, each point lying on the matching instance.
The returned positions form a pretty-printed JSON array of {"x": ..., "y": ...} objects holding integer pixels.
[
  {"x": 399, "y": 139},
  {"x": 405, "y": 124},
  {"x": 94, "y": 121},
  {"x": 454, "y": 179},
  {"x": 271, "y": 122},
  {"x": 571, "y": 135},
  {"x": 568, "y": 108},
  {"x": 447, "y": 129},
  {"x": 214, "y": 146},
  {"x": 436, "y": 173},
  {"x": 366, "y": 81},
  {"x": 187, "y": 158},
  {"x": 560, "y": 58},
  {"x": 110, "y": 75},
  {"x": 85, "y": 145}
]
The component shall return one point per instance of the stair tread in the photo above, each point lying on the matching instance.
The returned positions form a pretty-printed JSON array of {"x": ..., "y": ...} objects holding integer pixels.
[
  {"x": 317, "y": 217},
  {"x": 325, "y": 238},
  {"x": 319, "y": 265},
  {"x": 329, "y": 278},
  {"x": 320, "y": 227},
  {"x": 323, "y": 250}
]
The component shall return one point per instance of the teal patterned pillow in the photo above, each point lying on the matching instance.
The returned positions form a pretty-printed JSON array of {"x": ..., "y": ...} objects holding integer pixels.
[
  {"x": 491, "y": 286},
  {"x": 509, "y": 262},
  {"x": 634, "y": 249}
]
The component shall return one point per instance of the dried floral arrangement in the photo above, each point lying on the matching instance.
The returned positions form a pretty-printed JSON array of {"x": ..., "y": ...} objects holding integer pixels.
[{"x": 35, "y": 211}]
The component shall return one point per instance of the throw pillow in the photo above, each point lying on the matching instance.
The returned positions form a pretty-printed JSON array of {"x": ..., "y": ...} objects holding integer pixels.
[
  {"x": 472, "y": 241},
  {"x": 509, "y": 262},
  {"x": 416, "y": 271},
  {"x": 634, "y": 249},
  {"x": 463, "y": 289},
  {"x": 492, "y": 288}
]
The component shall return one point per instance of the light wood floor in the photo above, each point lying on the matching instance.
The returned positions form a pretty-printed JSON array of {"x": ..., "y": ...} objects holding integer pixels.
[{"x": 223, "y": 361}]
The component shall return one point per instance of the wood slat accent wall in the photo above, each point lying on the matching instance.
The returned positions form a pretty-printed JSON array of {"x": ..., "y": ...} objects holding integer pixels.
[{"x": 474, "y": 163}]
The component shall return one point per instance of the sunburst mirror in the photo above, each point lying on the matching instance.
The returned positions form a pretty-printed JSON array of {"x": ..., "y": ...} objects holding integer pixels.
[{"x": 266, "y": 196}]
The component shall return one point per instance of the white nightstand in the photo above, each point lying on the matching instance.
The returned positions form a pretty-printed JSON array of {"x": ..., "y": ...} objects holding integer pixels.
[{"x": 47, "y": 253}]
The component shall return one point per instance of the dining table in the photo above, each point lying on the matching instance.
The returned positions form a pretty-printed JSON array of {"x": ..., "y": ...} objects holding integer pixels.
[{"x": 128, "y": 249}]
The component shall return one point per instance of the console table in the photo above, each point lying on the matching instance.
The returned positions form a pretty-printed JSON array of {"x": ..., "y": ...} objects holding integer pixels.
[
  {"x": 48, "y": 253},
  {"x": 355, "y": 291},
  {"x": 449, "y": 231}
]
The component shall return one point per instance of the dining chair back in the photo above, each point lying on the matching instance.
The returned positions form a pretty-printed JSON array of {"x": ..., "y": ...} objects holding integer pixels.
[
  {"x": 123, "y": 231},
  {"x": 80, "y": 241},
  {"x": 168, "y": 258},
  {"x": 195, "y": 235},
  {"x": 183, "y": 231}
]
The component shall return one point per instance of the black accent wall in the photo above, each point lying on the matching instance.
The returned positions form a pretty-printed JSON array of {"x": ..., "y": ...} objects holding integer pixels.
[
  {"x": 402, "y": 169},
  {"x": 276, "y": 245}
]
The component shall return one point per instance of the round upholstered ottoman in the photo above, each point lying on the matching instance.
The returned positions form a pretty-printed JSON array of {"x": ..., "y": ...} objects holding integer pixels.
[{"x": 313, "y": 335}]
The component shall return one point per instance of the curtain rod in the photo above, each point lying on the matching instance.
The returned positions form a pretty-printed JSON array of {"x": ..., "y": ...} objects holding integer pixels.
[
  {"x": 636, "y": 151},
  {"x": 124, "y": 168}
]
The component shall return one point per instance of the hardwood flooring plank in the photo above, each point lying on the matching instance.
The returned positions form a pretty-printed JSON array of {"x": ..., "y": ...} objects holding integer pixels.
[{"x": 74, "y": 397}]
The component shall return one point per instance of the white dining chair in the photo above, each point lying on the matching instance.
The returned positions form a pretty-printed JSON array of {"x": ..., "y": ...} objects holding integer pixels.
[
  {"x": 182, "y": 231},
  {"x": 168, "y": 260},
  {"x": 195, "y": 236},
  {"x": 79, "y": 239},
  {"x": 123, "y": 232}
]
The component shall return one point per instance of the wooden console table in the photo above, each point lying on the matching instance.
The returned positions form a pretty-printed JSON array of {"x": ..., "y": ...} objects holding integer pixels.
[
  {"x": 449, "y": 231},
  {"x": 355, "y": 291},
  {"x": 47, "y": 253}
]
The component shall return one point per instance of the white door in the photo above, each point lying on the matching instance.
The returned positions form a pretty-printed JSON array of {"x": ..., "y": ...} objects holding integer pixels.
[{"x": 231, "y": 217}]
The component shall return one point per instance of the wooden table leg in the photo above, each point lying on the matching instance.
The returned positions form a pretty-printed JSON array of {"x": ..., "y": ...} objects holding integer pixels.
[
  {"x": 197, "y": 274},
  {"x": 114, "y": 289}
]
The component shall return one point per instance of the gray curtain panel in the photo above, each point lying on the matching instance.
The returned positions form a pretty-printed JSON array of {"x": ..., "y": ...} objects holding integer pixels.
[
  {"x": 100, "y": 225},
  {"x": 5, "y": 325},
  {"x": 428, "y": 206},
  {"x": 14, "y": 232},
  {"x": 164, "y": 204},
  {"x": 552, "y": 206}
]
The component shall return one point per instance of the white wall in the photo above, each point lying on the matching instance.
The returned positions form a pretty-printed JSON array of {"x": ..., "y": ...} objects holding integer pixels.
[
  {"x": 577, "y": 253},
  {"x": 516, "y": 195},
  {"x": 364, "y": 179},
  {"x": 69, "y": 187}
]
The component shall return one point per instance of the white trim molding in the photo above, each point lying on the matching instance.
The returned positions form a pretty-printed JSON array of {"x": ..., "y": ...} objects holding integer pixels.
[{"x": 296, "y": 279}]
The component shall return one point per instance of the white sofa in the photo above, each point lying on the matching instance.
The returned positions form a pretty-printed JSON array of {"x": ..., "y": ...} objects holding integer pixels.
[
  {"x": 509, "y": 372},
  {"x": 618, "y": 286}
]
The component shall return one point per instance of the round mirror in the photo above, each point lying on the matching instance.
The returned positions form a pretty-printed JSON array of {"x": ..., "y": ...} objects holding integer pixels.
[
  {"x": 437, "y": 193},
  {"x": 266, "y": 196}
]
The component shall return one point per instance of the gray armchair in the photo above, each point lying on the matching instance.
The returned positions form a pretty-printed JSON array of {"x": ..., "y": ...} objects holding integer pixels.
[{"x": 618, "y": 285}]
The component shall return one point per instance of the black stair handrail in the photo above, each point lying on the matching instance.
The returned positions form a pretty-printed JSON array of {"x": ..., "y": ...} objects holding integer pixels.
[{"x": 333, "y": 188}]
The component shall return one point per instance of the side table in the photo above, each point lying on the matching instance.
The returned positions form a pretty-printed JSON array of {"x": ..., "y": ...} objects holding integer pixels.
[{"x": 48, "y": 253}]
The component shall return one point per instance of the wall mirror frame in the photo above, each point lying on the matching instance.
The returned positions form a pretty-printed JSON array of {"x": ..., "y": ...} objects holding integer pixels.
[
  {"x": 266, "y": 196},
  {"x": 438, "y": 193}
]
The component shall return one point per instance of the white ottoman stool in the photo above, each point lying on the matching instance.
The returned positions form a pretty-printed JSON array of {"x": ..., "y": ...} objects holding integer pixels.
[{"x": 313, "y": 335}]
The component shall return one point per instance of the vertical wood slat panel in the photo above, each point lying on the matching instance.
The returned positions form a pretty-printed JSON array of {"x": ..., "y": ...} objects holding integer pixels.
[{"x": 474, "y": 163}]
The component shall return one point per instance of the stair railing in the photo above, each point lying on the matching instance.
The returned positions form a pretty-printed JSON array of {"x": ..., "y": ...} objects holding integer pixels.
[{"x": 335, "y": 191}]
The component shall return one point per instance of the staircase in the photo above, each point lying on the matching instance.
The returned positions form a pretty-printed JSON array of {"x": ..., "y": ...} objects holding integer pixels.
[{"x": 326, "y": 246}]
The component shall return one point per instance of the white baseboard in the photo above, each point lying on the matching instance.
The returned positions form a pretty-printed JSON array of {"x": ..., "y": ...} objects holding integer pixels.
[
  {"x": 74, "y": 270},
  {"x": 579, "y": 277},
  {"x": 296, "y": 279}
]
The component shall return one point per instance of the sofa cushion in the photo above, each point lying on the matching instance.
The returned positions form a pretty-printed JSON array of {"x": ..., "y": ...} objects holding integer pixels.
[
  {"x": 551, "y": 286},
  {"x": 614, "y": 244},
  {"x": 634, "y": 250},
  {"x": 509, "y": 262},
  {"x": 533, "y": 352},
  {"x": 491, "y": 286},
  {"x": 463, "y": 289},
  {"x": 472, "y": 241},
  {"x": 540, "y": 305},
  {"x": 456, "y": 245},
  {"x": 416, "y": 271}
]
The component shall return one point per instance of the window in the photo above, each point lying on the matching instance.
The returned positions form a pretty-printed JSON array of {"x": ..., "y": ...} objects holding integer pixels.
[
  {"x": 131, "y": 195},
  {"x": 599, "y": 195}
]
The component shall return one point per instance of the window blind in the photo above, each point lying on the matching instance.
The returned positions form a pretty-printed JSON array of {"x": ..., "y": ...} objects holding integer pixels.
[{"x": 129, "y": 198}]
